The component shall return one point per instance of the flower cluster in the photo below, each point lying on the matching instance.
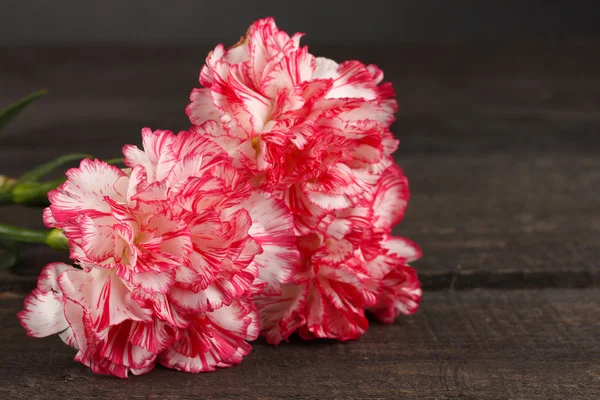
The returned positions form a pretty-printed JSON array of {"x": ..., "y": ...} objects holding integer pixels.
[
  {"x": 170, "y": 252},
  {"x": 315, "y": 134},
  {"x": 273, "y": 214}
]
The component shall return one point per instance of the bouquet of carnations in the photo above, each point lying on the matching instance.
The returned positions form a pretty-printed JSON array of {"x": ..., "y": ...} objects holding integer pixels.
[{"x": 271, "y": 215}]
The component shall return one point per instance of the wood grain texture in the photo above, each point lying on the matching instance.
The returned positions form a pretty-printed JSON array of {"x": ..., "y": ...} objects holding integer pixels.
[
  {"x": 499, "y": 142},
  {"x": 482, "y": 344}
]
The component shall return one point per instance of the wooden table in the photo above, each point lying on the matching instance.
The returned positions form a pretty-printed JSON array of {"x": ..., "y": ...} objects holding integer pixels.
[{"x": 501, "y": 145}]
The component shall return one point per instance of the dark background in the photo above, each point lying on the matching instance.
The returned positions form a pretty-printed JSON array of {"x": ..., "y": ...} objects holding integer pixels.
[{"x": 330, "y": 22}]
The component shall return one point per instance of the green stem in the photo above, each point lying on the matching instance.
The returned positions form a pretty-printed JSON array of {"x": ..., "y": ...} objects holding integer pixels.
[
  {"x": 28, "y": 191},
  {"x": 6, "y": 187},
  {"x": 50, "y": 237},
  {"x": 34, "y": 193}
]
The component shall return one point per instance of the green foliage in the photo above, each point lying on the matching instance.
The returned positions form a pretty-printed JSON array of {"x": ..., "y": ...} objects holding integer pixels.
[
  {"x": 28, "y": 191},
  {"x": 14, "y": 109},
  {"x": 50, "y": 166}
]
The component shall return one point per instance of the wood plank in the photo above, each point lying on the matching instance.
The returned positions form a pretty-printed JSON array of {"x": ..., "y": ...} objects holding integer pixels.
[
  {"x": 499, "y": 142},
  {"x": 484, "y": 344},
  {"x": 494, "y": 98}
]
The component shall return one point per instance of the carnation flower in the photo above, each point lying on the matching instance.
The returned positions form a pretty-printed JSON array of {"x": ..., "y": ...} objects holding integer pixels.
[
  {"x": 170, "y": 251},
  {"x": 315, "y": 134},
  {"x": 293, "y": 118},
  {"x": 400, "y": 289},
  {"x": 350, "y": 264}
]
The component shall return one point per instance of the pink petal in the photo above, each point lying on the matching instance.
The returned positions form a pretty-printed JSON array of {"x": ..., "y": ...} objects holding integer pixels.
[
  {"x": 201, "y": 108},
  {"x": 199, "y": 140},
  {"x": 216, "y": 340},
  {"x": 353, "y": 80},
  {"x": 291, "y": 71},
  {"x": 249, "y": 108},
  {"x": 329, "y": 201},
  {"x": 175, "y": 234},
  {"x": 151, "y": 281},
  {"x": 401, "y": 294},
  {"x": 43, "y": 309},
  {"x": 157, "y": 158},
  {"x": 207, "y": 299},
  {"x": 98, "y": 240},
  {"x": 164, "y": 309},
  {"x": 403, "y": 248},
  {"x": 391, "y": 198},
  {"x": 272, "y": 228},
  {"x": 103, "y": 294},
  {"x": 85, "y": 190},
  {"x": 281, "y": 315},
  {"x": 116, "y": 346}
]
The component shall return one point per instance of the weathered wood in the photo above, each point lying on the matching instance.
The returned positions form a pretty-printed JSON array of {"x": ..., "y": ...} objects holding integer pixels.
[
  {"x": 511, "y": 99},
  {"x": 499, "y": 142},
  {"x": 483, "y": 344}
]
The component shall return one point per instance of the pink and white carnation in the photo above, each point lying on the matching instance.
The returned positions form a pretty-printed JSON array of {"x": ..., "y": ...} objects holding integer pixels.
[
  {"x": 348, "y": 265},
  {"x": 301, "y": 124},
  {"x": 315, "y": 134},
  {"x": 170, "y": 251}
]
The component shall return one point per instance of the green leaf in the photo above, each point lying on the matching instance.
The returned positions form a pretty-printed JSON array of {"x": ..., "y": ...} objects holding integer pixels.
[
  {"x": 11, "y": 111},
  {"x": 50, "y": 166}
]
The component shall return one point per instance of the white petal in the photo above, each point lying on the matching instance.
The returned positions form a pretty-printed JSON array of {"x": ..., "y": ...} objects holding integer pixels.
[
  {"x": 272, "y": 228},
  {"x": 329, "y": 201},
  {"x": 202, "y": 108},
  {"x": 391, "y": 198},
  {"x": 403, "y": 248},
  {"x": 43, "y": 309},
  {"x": 85, "y": 189},
  {"x": 102, "y": 294}
]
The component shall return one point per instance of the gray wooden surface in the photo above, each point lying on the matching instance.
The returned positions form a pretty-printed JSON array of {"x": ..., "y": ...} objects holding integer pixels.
[
  {"x": 482, "y": 344},
  {"x": 500, "y": 143}
]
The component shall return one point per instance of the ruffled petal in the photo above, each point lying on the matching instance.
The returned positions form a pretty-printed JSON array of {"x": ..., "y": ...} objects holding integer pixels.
[
  {"x": 157, "y": 159},
  {"x": 401, "y": 294},
  {"x": 215, "y": 340},
  {"x": 282, "y": 315},
  {"x": 272, "y": 228},
  {"x": 201, "y": 108},
  {"x": 391, "y": 198},
  {"x": 84, "y": 192},
  {"x": 103, "y": 295},
  {"x": 42, "y": 313}
]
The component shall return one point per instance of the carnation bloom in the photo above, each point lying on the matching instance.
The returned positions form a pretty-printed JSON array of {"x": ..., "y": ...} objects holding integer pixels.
[
  {"x": 170, "y": 251},
  {"x": 301, "y": 124},
  {"x": 315, "y": 134},
  {"x": 349, "y": 264}
]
